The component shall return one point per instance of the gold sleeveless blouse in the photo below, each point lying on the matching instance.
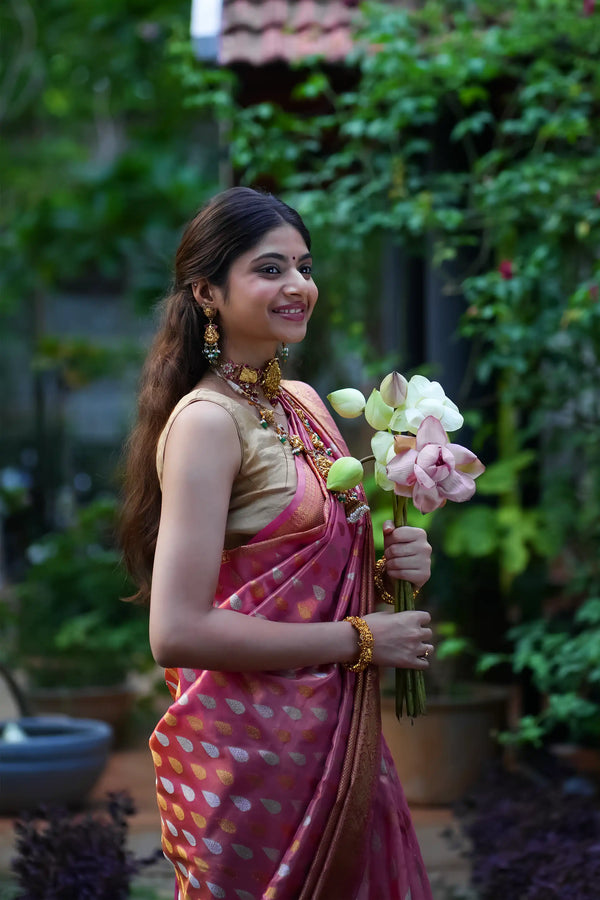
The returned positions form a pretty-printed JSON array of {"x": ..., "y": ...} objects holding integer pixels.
[{"x": 266, "y": 482}]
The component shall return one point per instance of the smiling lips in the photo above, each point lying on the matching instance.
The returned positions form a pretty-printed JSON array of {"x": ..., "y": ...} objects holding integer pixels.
[{"x": 294, "y": 311}]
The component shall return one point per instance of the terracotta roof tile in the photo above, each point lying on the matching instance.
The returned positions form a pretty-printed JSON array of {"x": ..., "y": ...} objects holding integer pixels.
[{"x": 263, "y": 32}]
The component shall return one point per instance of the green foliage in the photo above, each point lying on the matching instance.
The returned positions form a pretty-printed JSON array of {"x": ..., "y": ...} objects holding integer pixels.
[
  {"x": 97, "y": 156},
  {"x": 474, "y": 131},
  {"x": 562, "y": 657},
  {"x": 79, "y": 361},
  {"x": 480, "y": 131},
  {"x": 71, "y": 624}
]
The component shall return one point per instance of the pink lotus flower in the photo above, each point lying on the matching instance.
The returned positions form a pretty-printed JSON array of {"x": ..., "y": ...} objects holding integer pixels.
[{"x": 435, "y": 471}]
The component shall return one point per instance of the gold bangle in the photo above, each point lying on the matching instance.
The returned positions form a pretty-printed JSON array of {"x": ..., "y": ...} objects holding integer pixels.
[
  {"x": 365, "y": 644},
  {"x": 384, "y": 594}
]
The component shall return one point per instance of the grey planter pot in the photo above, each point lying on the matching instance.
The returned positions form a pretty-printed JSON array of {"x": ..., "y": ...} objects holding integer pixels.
[{"x": 59, "y": 763}]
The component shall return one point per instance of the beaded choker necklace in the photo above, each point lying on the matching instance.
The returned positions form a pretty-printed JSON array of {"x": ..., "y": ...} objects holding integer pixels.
[
  {"x": 321, "y": 455},
  {"x": 248, "y": 378}
]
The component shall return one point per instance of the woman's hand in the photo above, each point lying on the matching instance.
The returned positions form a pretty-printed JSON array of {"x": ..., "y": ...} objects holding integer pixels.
[
  {"x": 401, "y": 640},
  {"x": 407, "y": 553}
]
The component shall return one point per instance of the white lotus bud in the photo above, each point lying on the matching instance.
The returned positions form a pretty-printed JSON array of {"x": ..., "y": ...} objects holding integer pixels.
[{"x": 347, "y": 402}]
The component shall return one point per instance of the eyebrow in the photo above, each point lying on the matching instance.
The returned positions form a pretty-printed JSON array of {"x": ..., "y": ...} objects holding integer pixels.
[{"x": 280, "y": 256}]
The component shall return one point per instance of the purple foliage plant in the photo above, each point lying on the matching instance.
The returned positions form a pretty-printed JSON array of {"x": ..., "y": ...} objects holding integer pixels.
[
  {"x": 61, "y": 855},
  {"x": 534, "y": 834}
]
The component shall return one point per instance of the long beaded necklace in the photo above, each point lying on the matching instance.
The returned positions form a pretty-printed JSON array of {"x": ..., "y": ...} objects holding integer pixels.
[{"x": 321, "y": 455}]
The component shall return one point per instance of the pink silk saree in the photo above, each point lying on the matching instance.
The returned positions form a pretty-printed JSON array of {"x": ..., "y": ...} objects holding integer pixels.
[{"x": 278, "y": 785}]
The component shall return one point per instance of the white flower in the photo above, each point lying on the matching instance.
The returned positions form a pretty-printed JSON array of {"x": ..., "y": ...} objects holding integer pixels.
[
  {"x": 347, "y": 402},
  {"x": 425, "y": 398}
]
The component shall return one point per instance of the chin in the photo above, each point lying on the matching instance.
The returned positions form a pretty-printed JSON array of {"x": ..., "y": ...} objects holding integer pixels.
[{"x": 294, "y": 337}]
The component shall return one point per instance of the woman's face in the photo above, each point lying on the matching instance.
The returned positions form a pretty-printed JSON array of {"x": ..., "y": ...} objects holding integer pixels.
[{"x": 268, "y": 299}]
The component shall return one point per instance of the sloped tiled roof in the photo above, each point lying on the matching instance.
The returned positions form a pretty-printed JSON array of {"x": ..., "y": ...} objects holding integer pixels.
[{"x": 258, "y": 32}]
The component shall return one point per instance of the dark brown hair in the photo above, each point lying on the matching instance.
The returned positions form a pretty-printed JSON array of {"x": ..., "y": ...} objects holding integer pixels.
[{"x": 229, "y": 225}]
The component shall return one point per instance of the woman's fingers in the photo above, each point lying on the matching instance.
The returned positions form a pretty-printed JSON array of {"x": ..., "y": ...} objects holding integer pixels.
[
  {"x": 408, "y": 554},
  {"x": 402, "y": 640},
  {"x": 426, "y": 650}
]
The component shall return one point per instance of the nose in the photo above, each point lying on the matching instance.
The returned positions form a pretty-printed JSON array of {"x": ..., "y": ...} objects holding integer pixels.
[{"x": 295, "y": 284}]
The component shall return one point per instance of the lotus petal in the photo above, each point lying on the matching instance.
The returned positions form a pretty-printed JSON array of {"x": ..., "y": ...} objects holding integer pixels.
[
  {"x": 452, "y": 420},
  {"x": 377, "y": 413},
  {"x": 466, "y": 461},
  {"x": 431, "y": 432},
  {"x": 457, "y": 487},
  {"x": 427, "y": 499},
  {"x": 381, "y": 479},
  {"x": 419, "y": 386},
  {"x": 401, "y": 467},
  {"x": 381, "y": 443},
  {"x": 399, "y": 422},
  {"x": 404, "y": 442},
  {"x": 404, "y": 490},
  {"x": 423, "y": 479}
]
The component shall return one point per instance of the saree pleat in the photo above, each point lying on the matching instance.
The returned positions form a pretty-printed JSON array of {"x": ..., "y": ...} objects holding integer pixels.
[{"x": 269, "y": 783}]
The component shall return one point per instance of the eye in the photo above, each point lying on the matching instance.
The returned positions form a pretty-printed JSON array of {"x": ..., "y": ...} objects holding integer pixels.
[
  {"x": 269, "y": 269},
  {"x": 306, "y": 269}
]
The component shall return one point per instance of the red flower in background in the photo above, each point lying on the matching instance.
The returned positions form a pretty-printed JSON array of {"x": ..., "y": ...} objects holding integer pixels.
[
  {"x": 506, "y": 268},
  {"x": 588, "y": 7}
]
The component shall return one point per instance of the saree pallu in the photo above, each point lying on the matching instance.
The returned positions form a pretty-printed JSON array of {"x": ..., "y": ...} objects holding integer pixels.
[{"x": 277, "y": 785}]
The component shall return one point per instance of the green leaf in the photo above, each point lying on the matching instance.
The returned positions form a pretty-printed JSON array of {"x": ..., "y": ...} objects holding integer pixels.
[
  {"x": 502, "y": 477},
  {"x": 472, "y": 532}
]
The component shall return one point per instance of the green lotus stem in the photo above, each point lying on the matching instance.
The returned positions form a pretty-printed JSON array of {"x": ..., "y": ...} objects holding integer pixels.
[{"x": 410, "y": 684}]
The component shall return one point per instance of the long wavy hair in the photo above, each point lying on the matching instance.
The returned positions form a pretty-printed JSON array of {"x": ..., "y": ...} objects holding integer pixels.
[{"x": 229, "y": 225}]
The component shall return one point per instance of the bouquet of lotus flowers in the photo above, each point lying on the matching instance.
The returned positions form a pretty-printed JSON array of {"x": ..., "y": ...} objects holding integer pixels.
[{"x": 413, "y": 458}]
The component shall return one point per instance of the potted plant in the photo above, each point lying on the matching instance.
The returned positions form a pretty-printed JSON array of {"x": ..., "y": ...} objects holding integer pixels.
[
  {"x": 441, "y": 754},
  {"x": 559, "y": 654},
  {"x": 73, "y": 637}
]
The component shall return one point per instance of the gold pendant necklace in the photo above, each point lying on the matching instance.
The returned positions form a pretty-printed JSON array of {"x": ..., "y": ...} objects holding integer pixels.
[{"x": 321, "y": 455}]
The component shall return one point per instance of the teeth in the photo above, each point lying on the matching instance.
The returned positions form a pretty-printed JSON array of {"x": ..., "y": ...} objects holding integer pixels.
[{"x": 292, "y": 311}]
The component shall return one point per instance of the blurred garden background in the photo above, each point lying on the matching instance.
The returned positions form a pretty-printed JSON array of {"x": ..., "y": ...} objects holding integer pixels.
[{"x": 446, "y": 156}]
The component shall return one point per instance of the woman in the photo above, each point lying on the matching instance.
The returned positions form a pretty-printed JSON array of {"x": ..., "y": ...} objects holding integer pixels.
[{"x": 272, "y": 777}]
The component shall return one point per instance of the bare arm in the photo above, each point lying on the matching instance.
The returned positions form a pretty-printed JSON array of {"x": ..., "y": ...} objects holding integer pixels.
[{"x": 202, "y": 459}]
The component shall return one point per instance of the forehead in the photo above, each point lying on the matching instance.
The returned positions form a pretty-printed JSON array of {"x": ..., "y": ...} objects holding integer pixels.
[{"x": 284, "y": 240}]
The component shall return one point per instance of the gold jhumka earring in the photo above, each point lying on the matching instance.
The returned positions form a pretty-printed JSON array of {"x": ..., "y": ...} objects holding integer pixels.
[{"x": 211, "y": 335}]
